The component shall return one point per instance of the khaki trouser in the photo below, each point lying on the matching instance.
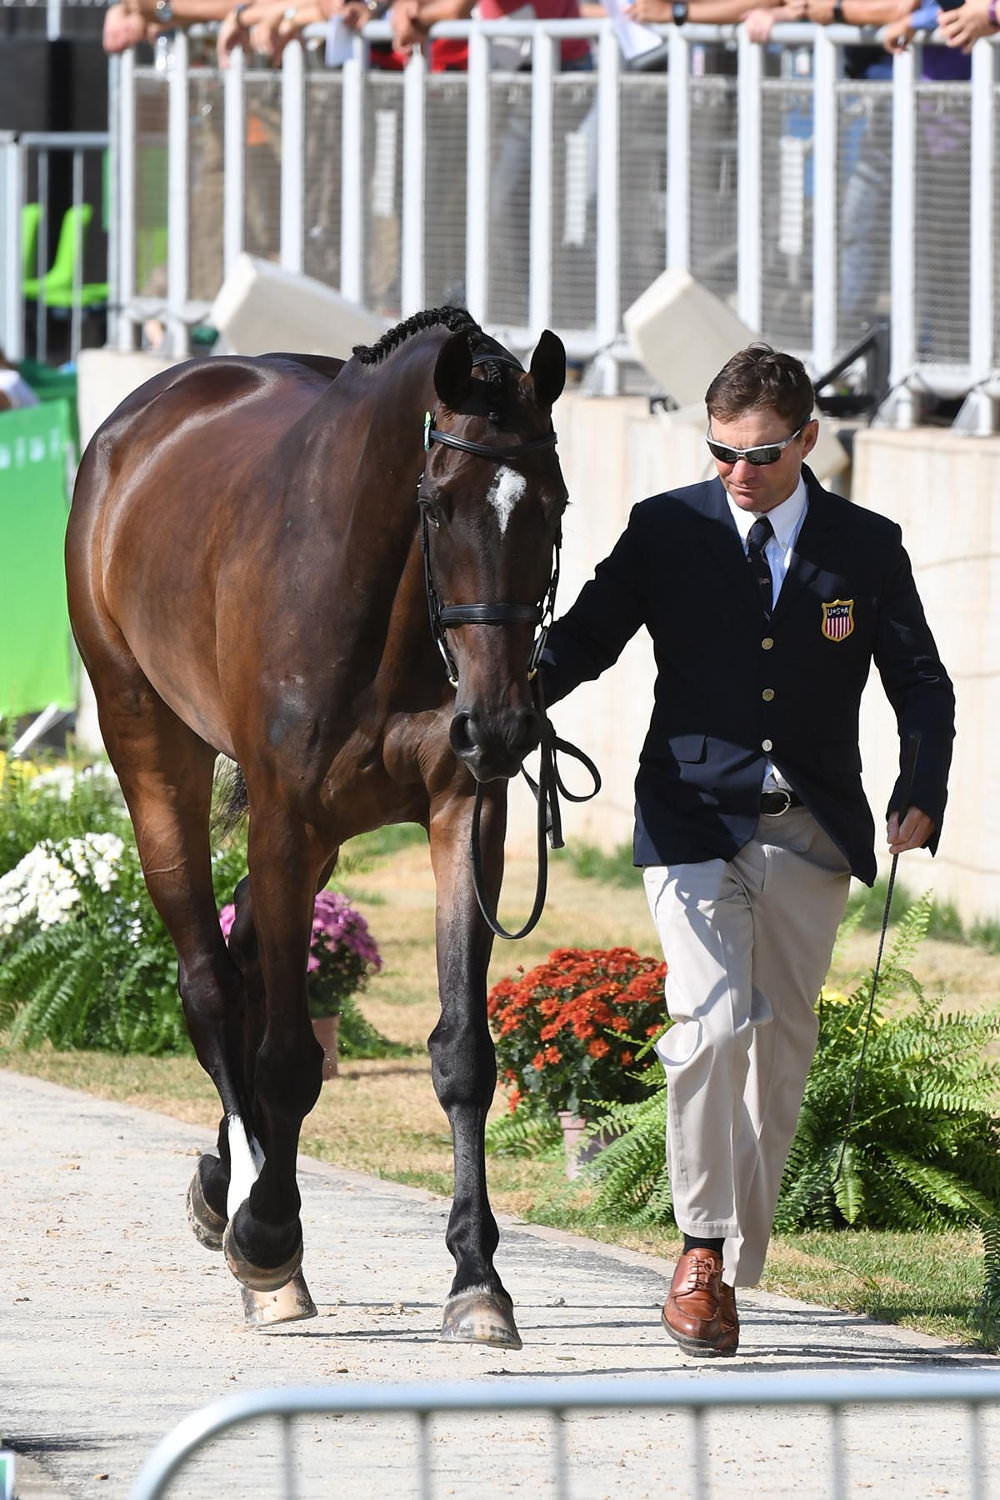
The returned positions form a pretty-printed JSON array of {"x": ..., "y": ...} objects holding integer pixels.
[{"x": 748, "y": 945}]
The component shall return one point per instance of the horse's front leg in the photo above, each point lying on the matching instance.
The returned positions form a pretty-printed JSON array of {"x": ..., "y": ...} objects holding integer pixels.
[
  {"x": 263, "y": 1239},
  {"x": 463, "y": 1063}
]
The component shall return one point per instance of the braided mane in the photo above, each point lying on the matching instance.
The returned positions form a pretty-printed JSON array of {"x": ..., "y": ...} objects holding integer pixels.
[{"x": 452, "y": 318}]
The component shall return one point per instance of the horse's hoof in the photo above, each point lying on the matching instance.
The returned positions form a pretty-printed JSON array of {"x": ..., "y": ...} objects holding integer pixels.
[
  {"x": 208, "y": 1226},
  {"x": 289, "y": 1304},
  {"x": 480, "y": 1316},
  {"x": 258, "y": 1278}
]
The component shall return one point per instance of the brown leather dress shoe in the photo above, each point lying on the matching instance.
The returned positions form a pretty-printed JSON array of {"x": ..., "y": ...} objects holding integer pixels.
[
  {"x": 700, "y": 1312},
  {"x": 729, "y": 1321}
]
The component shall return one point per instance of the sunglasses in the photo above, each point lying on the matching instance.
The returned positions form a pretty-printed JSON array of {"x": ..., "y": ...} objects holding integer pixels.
[{"x": 769, "y": 453}]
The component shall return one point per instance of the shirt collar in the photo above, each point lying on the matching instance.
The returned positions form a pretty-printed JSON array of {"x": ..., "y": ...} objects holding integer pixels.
[{"x": 786, "y": 518}]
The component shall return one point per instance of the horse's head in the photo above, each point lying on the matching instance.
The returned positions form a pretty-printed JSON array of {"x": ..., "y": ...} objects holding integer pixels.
[{"x": 491, "y": 498}]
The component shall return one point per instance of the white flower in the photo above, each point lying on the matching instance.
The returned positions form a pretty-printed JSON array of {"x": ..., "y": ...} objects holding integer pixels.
[{"x": 43, "y": 886}]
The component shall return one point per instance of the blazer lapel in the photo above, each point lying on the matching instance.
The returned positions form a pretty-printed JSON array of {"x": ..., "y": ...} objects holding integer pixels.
[
  {"x": 719, "y": 531},
  {"x": 806, "y": 560}
]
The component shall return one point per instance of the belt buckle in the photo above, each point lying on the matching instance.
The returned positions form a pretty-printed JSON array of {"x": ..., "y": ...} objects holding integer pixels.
[{"x": 780, "y": 791}]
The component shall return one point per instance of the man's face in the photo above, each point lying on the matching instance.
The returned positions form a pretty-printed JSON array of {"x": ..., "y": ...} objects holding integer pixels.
[{"x": 760, "y": 487}]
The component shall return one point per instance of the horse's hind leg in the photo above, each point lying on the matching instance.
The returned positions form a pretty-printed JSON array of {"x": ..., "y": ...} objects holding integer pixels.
[
  {"x": 263, "y": 1240},
  {"x": 166, "y": 770},
  {"x": 463, "y": 1066}
]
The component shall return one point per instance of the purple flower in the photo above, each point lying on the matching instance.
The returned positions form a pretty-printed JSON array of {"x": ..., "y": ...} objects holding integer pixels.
[{"x": 342, "y": 952}]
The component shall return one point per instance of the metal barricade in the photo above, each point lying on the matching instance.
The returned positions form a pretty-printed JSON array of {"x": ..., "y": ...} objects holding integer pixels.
[{"x": 898, "y": 1405}]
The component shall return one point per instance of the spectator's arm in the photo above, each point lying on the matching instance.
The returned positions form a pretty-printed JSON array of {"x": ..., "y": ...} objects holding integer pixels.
[
  {"x": 703, "y": 12},
  {"x": 857, "y": 12}
]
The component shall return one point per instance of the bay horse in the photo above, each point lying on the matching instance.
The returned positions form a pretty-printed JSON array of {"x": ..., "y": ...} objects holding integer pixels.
[{"x": 251, "y": 550}]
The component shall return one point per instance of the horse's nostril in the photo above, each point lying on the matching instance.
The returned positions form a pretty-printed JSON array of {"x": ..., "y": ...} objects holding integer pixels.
[
  {"x": 527, "y": 732},
  {"x": 461, "y": 735}
]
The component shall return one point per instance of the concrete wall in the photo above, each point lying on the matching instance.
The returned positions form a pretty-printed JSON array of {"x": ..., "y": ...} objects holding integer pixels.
[{"x": 943, "y": 489}]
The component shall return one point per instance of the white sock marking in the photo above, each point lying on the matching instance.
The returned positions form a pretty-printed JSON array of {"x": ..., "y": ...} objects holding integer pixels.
[
  {"x": 504, "y": 493},
  {"x": 245, "y": 1161}
]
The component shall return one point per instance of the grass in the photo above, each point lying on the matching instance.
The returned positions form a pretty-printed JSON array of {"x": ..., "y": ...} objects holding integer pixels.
[{"x": 381, "y": 1116}]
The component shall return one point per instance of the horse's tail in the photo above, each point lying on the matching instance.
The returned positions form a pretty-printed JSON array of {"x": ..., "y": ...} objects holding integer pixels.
[{"x": 231, "y": 803}]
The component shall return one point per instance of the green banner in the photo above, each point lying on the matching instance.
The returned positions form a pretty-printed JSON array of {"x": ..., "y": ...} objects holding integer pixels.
[{"x": 36, "y": 653}]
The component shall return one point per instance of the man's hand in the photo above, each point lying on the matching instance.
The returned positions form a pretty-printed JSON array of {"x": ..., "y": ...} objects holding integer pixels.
[{"x": 913, "y": 833}]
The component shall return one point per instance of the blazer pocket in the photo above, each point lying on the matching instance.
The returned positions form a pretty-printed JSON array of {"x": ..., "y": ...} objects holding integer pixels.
[{"x": 688, "y": 747}]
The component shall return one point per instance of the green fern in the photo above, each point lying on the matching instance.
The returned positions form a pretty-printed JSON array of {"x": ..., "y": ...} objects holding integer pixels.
[
  {"x": 525, "y": 1132},
  {"x": 922, "y": 1150}
]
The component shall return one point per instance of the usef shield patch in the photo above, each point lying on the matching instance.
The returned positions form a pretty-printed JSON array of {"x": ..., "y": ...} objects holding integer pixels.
[{"x": 838, "y": 619}]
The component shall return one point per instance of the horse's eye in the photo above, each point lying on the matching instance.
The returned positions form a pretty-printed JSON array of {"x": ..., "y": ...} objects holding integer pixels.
[{"x": 431, "y": 510}]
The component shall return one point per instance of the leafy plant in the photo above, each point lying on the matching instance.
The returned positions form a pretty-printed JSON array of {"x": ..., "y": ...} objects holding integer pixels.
[
  {"x": 575, "y": 1031},
  {"x": 923, "y": 1149},
  {"x": 58, "y": 802},
  {"x": 86, "y": 960}
]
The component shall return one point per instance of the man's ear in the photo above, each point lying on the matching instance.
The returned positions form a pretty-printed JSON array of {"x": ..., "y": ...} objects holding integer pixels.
[{"x": 810, "y": 436}]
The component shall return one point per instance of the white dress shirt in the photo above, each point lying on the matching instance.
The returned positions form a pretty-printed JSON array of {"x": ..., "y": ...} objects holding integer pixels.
[{"x": 786, "y": 520}]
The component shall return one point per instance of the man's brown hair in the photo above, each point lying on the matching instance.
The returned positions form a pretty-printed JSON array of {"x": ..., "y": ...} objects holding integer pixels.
[{"x": 759, "y": 376}]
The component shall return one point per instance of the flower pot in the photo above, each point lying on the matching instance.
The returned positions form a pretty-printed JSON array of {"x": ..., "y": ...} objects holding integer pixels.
[
  {"x": 579, "y": 1150},
  {"x": 325, "y": 1029}
]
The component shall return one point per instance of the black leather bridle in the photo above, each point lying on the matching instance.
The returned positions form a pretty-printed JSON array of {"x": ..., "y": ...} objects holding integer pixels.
[{"x": 447, "y": 616}]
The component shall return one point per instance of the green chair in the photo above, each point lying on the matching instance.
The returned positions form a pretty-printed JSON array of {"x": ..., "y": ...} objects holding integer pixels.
[
  {"x": 31, "y": 213},
  {"x": 56, "y": 287}
]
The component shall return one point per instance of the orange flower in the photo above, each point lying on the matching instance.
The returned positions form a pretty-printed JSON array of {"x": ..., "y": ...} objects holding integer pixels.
[
  {"x": 599, "y": 1048},
  {"x": 553, "y": 1055}
]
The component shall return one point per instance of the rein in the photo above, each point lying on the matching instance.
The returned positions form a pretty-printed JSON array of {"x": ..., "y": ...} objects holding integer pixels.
[{"x": 444, "y": 616}]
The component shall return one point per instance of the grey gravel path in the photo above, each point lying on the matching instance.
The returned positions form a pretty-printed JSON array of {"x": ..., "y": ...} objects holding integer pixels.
[{"x": 116, "y": 1324}]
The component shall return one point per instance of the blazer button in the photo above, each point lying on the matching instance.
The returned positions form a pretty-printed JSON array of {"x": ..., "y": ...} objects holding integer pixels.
[
  {"x": 767, "y": 643},
  {"x": 767, "y": 744},
  {"x": 767, "y": 694}
]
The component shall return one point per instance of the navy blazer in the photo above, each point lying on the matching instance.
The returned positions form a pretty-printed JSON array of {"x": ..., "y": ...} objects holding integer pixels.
[{"x": 735, "y": 689}]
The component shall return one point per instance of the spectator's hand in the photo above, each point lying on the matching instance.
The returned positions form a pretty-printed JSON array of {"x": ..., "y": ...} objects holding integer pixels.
[
  {"x": 913, "y": 833},
  {"x": 650, "y": 12},
  {"x": 353, "y": 13},
  {"x": 122, "y": 28},
  {"x": 760, "y": 20},
  {"x": 964, "y": 26},
  {"x": 897, "y": 35},
  {"x": 233, "y": 32},
  {"x": 407, "y": 31},
  {"x": 820, "y": 12}
]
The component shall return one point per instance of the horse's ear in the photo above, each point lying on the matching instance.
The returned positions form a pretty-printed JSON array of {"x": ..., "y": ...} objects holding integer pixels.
[
  {"x": 453, "y": 370},
  {"x": 548, "y": 368}
]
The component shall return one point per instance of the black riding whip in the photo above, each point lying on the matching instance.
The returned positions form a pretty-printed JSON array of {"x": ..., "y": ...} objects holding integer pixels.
[{"x": 908, "y": 765}]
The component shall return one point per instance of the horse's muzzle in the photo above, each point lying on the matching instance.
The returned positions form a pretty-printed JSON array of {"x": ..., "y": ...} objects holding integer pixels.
[{"x": 494, "y": 746}]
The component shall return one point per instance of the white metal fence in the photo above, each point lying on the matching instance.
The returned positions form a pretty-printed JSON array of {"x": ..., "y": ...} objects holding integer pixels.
[
  {"x": 814, "y": 203},
  {"x": 866, "y": 1439}
]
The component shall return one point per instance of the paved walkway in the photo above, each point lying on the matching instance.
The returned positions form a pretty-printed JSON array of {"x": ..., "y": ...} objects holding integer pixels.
[{"x": 116, "y": 1324}]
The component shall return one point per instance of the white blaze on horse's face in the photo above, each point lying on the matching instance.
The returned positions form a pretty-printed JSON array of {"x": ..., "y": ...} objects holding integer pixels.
[
  {"x": 245, "y": 1161},
  {"x": 506, "y": 490}
]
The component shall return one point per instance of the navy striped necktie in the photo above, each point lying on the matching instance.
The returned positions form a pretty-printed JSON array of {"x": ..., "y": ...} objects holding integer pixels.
[{"x": 760, "y": 534}]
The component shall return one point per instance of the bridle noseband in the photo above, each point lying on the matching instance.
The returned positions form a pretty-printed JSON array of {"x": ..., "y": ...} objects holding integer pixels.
[{"x": 444, "y": 616}]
